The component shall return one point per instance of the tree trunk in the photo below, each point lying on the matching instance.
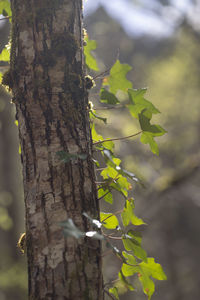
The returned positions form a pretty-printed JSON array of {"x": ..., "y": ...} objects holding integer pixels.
[{"x": 47, "y": 80}]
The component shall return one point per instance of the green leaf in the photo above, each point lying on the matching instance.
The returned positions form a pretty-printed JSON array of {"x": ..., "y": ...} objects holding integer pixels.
[
  {"x": 125, "y": 282},
  {"x": 129, "y": 270},
  {"x": 109, "y": 172},
  {"x": 95, "y": 136},
  {"x": 115, "y": 162},
  {"x": 153, "y": 269},
  {"x": 109, "y": 220},
  {"x": 130, "y": 259},
  {"x": 145, "y": 125},
  {"x": 5, "y": 55},
  {"x": 147, "y": 270},
  {"x": 106, "y": 194},
  {"x": 5, "y": 9},
  {"x": 1, "y": 75},
  {"x": 114, "y": 291},
  {"x": 147, "y": 284},
  {"x": 117, "y": 79},
  {"x": 139, "y": 103},
  {"x": 98, "y": 138},
  {"x": 128, "y": 215},
  {"x": 89, "y": 58},
  {"x": 107, "y": 97},
  {"x": 132, "y": 242},
  {"x": 148, "y": 138},
  {"x": 67, "y": 157}
]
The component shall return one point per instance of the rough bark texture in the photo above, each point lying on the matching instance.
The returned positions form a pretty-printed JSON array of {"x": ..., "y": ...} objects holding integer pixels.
[{"x": 47, "y": 80}]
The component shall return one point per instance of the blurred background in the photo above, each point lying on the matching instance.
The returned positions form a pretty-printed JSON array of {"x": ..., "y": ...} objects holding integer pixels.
[{"x": 160, "y": 39}]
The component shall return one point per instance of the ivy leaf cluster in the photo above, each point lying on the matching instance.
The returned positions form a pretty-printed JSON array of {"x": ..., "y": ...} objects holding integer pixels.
[{"x": 124, "y": 225}]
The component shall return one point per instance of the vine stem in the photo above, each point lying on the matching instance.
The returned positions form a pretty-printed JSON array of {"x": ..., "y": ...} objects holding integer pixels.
[
  {"x": 111, "y": 296},
  {"x": 118, "y": 139},
  {"x": 112, "y": 237}
]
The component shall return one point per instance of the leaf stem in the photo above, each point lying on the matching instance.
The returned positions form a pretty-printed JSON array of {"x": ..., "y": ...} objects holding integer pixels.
[
  {"x": 112, "y": 237},
  {"x": 118, "y": 139}
]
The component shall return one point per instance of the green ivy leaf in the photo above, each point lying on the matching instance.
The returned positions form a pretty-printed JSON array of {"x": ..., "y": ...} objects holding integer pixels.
[
  {"x": 145, "y": 125},
  {"x": 139, "y": 103},
  {"x": 130, "y": 259},
  {"x": 148, "y": 138},
  {"x": 125, "y": 282},
  {"x": 5, "y": 55},
  {"x": 147, "y": 270},
  {"x": 5, "y": 9},
  {"x": 106, "y": 194},
  {"x": 117, "y": 79},
  {"x": 89, "y": 58},
  {"x": 98, "y": 138},
  {"x": 95, "y": 136},
  {"x": 107, "y": 97},
  {"x": 153, "y": 269},
  {"x": 129, "y": 270},
  {"x": 132, "y": 242},
  {"x": 109, "y": 172},
  {"x": 115, "y": 163},
  {"x": 128, "y": 215},
  {"x": 109, "y": 220},
  {"x": 114, "y": 291}
]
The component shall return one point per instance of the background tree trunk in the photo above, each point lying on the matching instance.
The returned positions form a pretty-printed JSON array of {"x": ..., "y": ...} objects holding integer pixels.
[{"x": 47, "y": 80}]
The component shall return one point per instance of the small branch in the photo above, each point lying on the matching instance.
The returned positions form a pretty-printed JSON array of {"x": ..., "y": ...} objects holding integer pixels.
[
  {"x": 5, "y": 18},
  {"x": 118, "y": 139},
  {"x": 102, "y": 74},
  {"x": 112, "y": 237}
]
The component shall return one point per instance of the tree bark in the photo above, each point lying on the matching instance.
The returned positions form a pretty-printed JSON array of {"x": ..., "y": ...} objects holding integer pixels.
[{"x": 47, "y": 80}]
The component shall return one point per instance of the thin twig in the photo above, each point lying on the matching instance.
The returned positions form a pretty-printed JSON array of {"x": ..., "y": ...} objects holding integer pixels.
[
  {"x": 101, "y": 74},
  {"x": 118, "y": 139},
  {"x": 112, "y": 237}
]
